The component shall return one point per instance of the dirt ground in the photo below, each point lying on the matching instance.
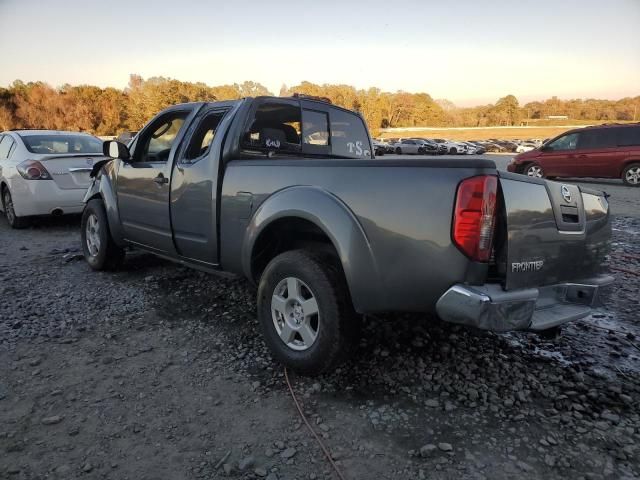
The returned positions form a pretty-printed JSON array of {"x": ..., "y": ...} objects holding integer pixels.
[{"x": 159, "y": 372}]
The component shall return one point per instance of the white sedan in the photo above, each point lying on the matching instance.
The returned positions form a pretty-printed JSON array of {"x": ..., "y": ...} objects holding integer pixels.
[{"x": 44, "y": 172}]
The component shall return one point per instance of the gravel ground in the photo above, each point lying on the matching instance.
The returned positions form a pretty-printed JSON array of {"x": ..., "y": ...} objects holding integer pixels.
[{"x": 157, "y": 371}]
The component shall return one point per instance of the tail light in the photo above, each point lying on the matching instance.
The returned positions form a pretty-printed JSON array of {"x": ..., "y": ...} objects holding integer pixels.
[
  {"x": 33, "y": 170},
  {"x": 474, "y": 217}
]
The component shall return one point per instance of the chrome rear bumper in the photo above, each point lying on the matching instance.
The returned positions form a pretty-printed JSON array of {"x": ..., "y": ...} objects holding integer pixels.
[{"x": 489, "y": 307}]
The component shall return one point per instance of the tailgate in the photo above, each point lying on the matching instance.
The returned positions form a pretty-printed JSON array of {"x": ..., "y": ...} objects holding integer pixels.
[
  {"x": 70, "y": 171},
  {"x": 553, "y": 232}
]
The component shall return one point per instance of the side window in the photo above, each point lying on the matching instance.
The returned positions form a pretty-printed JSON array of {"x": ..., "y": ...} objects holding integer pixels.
[
  {"x": 203, "y": 136},
  {"x": 275, "y": 127},
  {"x": 6, "y": 142},
  {"x": 600, "y": 138},
  {"x": 156, "y": 142},
  {"x": 628, "y": 136},
  {"x": 315, "y": 128},
  {"x": 349, "y": 136},
  {"x": 566, "y": 142}
]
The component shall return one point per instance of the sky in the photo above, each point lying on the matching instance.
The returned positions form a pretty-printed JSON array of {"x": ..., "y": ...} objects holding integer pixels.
[{"x": 470, "y": 52}]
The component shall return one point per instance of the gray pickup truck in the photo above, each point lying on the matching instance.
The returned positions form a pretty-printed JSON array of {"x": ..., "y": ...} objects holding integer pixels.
[{"x": 287, "y": 193}]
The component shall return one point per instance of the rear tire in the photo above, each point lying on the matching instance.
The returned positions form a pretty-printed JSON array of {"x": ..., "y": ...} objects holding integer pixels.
[
  {"x": 100, "y": 251},
  {"x": 453, "y": 150},
  {"x": 631, "y": 175},
  {"x": 13, "y": 220},
  {"x": 305, "y": 311},
  {"x": 533, "y": 170}
]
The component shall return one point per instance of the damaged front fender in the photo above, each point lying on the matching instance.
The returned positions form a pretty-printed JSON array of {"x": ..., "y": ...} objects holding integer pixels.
[{"x": 104, "y": 175}]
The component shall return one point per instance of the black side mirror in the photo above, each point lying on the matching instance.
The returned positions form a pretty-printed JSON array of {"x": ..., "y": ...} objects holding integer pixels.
[
  {"x": 546, "y": 148},
  {"x": 116, "y": 149}
]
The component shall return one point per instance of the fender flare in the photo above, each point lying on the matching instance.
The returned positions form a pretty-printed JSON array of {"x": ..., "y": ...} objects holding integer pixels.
[
  {"x": 102, "y": 188},
  {"x": 339, "y": 224}
]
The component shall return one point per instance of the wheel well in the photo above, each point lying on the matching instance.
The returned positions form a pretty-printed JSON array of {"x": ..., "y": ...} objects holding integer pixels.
[
  {"x": 290, "y": 233},
  {"x": 3, "y": 186},
  {"x": 628, "y": 163}
]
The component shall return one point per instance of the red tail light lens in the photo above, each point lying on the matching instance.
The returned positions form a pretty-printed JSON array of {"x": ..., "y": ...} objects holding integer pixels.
[
  {"x": 33, "y": 170},
  {"x": 474, "y": 216}
]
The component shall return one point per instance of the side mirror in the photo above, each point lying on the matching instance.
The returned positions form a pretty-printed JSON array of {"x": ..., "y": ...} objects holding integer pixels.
[
  {"x": 546, "y": 148},
  {"x": 116, "y": 149}
]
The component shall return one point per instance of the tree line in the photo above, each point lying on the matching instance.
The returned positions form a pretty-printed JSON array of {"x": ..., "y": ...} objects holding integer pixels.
[{"x": 107, "y": 111}]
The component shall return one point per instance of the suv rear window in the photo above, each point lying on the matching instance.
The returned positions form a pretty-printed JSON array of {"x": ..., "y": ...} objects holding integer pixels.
[
  {"x": 597, "y": 138},
  {"x": 628, "y": 136}
]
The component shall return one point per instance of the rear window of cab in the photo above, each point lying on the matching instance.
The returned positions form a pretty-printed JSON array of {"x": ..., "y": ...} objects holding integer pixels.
[{"x": 291, "y": 127}]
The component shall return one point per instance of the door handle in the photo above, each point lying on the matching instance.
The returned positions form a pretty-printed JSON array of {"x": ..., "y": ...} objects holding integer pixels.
[{"x": 161, "y": 179}]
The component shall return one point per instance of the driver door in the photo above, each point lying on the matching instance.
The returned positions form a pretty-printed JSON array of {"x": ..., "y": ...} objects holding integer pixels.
[{"x": 144, "y": 182}]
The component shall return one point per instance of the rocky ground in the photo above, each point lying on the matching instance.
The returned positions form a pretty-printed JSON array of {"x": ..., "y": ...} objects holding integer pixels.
[{"x": 159, "y": 372}]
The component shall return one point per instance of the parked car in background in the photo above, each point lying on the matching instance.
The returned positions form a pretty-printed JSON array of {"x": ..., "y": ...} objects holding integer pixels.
[
  {"x": 603, "y": 151},
  {"x": 429, "y": 146},
  {"x": 453, "y": 148},
  {"x": 126, "y": 137},
  {"x": 44, "y": 172},
  {"x": 525, "y": 147},
  {"x": 379, "y": 148},
  {"x": 409, "y": 146},
  {"x": 232, "y": 188}
]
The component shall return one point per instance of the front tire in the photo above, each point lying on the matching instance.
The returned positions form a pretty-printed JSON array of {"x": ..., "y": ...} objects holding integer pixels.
[
  {"x": 453, "y": 150},
  {"x": 305, "y": 311},
  {"x": 534, "y": 170},
  {"x": 100, "y": 251},
  {"x": 13, "y": 220},
  {"x": 398, "y": 151},
  {"x": 631, "y": 175}
]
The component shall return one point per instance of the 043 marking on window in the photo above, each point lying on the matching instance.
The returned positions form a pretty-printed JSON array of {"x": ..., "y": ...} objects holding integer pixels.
[{"x": 356, "y": 147}]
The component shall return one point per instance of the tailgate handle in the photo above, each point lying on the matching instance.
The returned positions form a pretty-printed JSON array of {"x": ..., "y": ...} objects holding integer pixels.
[{"x": 569, "y": 214}]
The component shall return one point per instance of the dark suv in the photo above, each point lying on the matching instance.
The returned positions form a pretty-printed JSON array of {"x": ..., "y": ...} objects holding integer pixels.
[{"x": 605, "y": 151}]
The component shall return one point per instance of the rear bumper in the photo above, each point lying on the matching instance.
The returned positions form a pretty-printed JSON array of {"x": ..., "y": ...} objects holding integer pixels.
[
  {"x": 43, "y": 197},
  {"x": 489, "y": 307}
]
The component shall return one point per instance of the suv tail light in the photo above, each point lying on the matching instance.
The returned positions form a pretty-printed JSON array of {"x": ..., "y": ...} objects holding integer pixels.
[
  {"x": 33, "y": 170},
  {"x": 474, "y": 216}
]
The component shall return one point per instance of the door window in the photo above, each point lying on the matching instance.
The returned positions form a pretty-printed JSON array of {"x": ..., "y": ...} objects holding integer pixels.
[
  {"x": 597, "y": 139},
  {"x": 315, "y": 128},
  {"x": 567, "y": 142},
  {"x": 275, "y": 128},
  {"x": 203, "y": 136},
  {"x": 156, "y": 142}
]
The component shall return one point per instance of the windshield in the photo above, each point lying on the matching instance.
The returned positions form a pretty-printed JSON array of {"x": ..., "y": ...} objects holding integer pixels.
[{"x": 57, "y": 144}]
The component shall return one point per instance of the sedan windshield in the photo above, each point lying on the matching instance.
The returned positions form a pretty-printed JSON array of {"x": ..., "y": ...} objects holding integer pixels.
[{"x": 60, "y": 144}]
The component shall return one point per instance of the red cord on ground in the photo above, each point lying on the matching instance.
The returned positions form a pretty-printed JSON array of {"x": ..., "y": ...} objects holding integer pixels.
[{"x": 304, "y": 418}]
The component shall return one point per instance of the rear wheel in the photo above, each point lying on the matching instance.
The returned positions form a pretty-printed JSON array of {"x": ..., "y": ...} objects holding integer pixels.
[
  {"x": 534, "y": 170},
  {"x": 13, "y": 220},
  {"x": 100, "y": 251},
  {"x": 631, "y": 175},
  {"x": 305, "y": 311},
  {"x": 453, "y": 150}
]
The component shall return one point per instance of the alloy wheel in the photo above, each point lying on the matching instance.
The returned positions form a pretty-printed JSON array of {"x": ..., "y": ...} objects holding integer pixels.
[
  {"x": 8, "y": 207},
  {"x": 295, "y": 313},
  {"x": 534, "y": 171},
  {"x": 633, "y": 176},
  {"x": 92, "y": 234}
]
